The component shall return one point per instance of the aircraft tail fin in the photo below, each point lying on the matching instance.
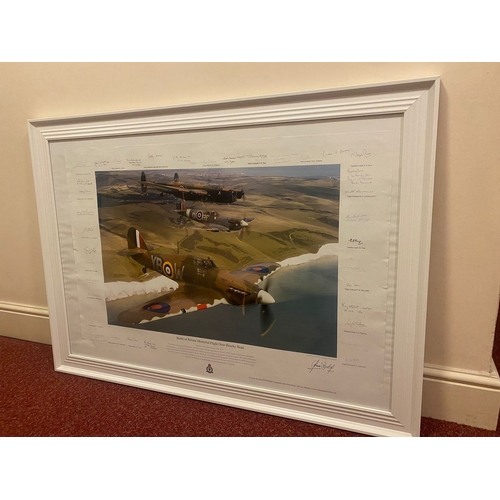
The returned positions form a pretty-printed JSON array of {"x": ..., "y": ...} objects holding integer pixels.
[
  {"x": 136, "y": 245},
  {"x": 135, "y": 241},
  {"x": 137, "y": 248},
  {"x": 180, "y": 206},
  {"x": 144, "y": 187}
]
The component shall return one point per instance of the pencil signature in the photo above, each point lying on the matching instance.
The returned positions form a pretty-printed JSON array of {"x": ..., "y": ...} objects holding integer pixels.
[{"x": 322, "y": 365}]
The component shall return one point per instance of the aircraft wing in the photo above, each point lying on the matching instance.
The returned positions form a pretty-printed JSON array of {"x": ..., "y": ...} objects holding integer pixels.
[
  {"x": 187, "y": 298},
  {"x": 256, "y": 272},
  {"x": 218, "y": 227},
  {"x": 160, "y": 187},
  {"x": 192, "y": 190},
  {"x": 173, "y": 189}
]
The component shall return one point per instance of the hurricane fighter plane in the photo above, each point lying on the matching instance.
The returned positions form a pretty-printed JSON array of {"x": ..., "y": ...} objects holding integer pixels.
[
  {"x": 193, "y": 192},
  {"x": 212, "y": 220},
  {"x": 201, "y": 283}
]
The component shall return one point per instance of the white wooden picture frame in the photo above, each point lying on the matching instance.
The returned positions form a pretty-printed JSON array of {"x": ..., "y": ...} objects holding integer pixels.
[{"x": 345, "y": 175}]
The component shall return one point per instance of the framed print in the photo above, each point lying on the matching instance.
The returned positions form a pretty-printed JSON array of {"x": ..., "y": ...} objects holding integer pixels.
[{"x": 269, "y": 253}]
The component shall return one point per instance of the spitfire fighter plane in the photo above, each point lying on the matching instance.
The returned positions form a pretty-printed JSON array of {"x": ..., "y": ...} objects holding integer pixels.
[
  {"x": 212, "y": 220},
  {"x": 201, "y": 283},
  {"x": 193, "y": 192}
]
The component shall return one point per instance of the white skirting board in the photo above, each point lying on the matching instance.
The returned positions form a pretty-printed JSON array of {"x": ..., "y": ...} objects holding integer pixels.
[
  {"x": 25, "y": 322},
  {"x": 464, "y": 397}
]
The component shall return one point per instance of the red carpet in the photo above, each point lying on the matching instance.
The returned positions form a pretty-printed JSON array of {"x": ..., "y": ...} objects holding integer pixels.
[{"x": 37, "y": 401}]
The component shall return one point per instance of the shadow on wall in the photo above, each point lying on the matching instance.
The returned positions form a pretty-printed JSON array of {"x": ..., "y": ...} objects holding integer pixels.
[{"x": 496, "y": 343}]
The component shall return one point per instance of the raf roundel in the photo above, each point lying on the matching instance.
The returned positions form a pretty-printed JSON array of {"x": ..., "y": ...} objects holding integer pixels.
[
  {"x": 168, "y": 270},
  {"x": 157, "y": 307},
  {"x": 199, "y": 215},
  {"x": 258, "y": 269}
]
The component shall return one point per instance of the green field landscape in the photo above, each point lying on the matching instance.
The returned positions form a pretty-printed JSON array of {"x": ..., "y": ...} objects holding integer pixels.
[{"x": 292, "y": 216}]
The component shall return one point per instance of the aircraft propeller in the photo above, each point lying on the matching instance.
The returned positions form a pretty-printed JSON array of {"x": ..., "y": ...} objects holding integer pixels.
[
  {"x": 245, "y": 229},
  {"x": 266, "y": 314}
]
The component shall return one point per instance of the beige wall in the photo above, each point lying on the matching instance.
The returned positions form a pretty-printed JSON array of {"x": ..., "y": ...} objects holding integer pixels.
[{"x": 465, "y": 254}]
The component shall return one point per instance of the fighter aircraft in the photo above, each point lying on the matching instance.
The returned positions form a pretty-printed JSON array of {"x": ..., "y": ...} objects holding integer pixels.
[
  {"x": 201, "y": 283},
  {"x": 194, "y": 192},
  {"x": 212, "y": 220}
]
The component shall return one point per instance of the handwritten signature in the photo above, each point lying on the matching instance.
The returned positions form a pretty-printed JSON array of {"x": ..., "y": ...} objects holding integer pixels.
[
  {"x": 364, "y": 154},
  {"x": 83, "y": 182},
  {"x": 149, "y": 344},
  {"x": 90, "y": 250},
  {"x": 357, "y": 218},
  {"x": 322, "y": 365},
  {"x": 355, "y": 240},
  {"x": 354, "y": 323}
]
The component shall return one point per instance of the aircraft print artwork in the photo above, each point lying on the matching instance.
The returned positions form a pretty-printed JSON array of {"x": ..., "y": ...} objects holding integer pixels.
[
  {"x": 245, "y": 255},
  {"x": 193, "y": 191},
  {"x": 214, "y": 221},
  {"x": 202, "y": 283}
]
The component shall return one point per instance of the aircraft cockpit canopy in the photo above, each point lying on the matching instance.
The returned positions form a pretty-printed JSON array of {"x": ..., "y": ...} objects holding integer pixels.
[{"x": 207, "y": 263}]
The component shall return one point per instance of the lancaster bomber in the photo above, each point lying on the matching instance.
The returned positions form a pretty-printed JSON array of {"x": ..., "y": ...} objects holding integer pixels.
[
  {"x": 201, "y": 283},
  {"x": 193, "y": 192}
]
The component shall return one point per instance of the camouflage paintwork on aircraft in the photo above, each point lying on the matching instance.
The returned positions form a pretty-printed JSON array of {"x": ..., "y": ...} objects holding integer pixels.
[{"x": 201, "y": 283}]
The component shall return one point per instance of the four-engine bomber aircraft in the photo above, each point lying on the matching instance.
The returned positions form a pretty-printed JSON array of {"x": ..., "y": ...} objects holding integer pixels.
[
  {"x": 213, "y": 221},
  {"x": 194, "y": 192},
  {"x": 201, "y": 283}
]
